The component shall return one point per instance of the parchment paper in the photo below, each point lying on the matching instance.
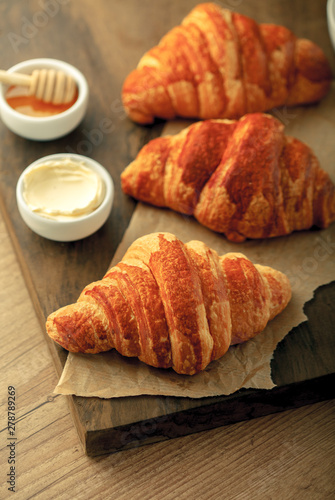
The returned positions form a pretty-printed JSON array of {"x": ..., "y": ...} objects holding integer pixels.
[{"x": 307, "y": 258}]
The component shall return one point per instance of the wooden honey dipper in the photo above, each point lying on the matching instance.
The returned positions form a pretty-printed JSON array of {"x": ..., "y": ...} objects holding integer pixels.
[{"x": 48, "y": 85}]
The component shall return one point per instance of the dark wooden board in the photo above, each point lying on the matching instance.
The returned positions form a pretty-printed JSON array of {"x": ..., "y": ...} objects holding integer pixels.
[{"x": 105, "y": 41}]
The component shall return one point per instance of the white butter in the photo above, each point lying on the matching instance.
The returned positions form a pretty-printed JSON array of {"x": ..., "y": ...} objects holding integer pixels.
[{"x": 63, "y": 189}]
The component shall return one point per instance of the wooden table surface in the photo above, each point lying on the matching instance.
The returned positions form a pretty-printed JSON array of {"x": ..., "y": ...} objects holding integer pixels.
[{"x": 281, "y": 456}]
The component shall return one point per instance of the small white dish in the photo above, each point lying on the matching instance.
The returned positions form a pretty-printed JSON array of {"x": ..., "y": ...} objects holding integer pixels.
[
  {"x": 331, "y": 20},
  {"x": 73, "y": 229},
  {"x": 49, "y": 127}
]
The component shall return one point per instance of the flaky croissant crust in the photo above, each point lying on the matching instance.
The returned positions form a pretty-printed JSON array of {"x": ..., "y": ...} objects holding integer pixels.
[
  {"x": 221, "y": 64},
  {"x": 243, "y": 178},
  {"x": 172, "y": 305}
]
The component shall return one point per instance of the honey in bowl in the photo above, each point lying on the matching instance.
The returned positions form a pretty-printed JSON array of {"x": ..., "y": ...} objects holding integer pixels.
[{"x": 18, "y": 98}]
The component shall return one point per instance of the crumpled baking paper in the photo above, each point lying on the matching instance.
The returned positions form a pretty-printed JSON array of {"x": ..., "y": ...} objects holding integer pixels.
[{"x": 306, "y": 257}]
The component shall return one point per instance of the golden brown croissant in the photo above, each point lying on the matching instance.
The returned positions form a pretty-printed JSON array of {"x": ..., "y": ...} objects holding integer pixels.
[
  {"x": 221, "y": 64},
  {"x": 243, "y": 178},
  {"x": 172, "y": 305}
]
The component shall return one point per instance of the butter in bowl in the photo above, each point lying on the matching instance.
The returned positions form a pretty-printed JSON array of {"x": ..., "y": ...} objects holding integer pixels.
[{"x": 65, "y": 197}]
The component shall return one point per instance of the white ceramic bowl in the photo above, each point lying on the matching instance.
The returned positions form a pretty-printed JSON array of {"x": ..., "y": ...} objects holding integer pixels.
[
  {"x": 50, "y": 127},
  {"x": 69, "y": 230},
  {"x": 331, "y": 20}
]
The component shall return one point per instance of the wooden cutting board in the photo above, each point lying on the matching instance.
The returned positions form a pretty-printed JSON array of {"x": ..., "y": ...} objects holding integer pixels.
[
  {"x": 303, "y": 366},
  {"x": 303, "y": 369}
]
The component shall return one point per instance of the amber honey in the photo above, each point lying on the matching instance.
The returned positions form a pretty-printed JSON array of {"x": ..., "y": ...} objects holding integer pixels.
[{"x": 19, "y": 99}]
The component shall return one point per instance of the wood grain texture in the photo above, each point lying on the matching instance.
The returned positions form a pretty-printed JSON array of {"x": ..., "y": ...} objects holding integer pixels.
[{"x": 294, "y": 449}]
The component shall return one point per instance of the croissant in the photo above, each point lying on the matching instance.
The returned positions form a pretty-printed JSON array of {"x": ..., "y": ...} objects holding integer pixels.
[
  {"x": 172, "y": 305},
  {"x": 221, "y": 64},
  {"x": 243, "y": 178}
]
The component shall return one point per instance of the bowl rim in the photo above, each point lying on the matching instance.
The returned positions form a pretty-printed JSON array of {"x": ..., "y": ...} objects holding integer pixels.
[
  {"x": 30, "y": 64},
  {"x": 331, "y": 11},
  {"x": 90, "y": 163}
]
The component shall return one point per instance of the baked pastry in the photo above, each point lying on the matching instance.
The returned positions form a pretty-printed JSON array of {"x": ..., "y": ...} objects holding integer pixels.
[
  {"x": 243, "y": 178},
  {"x": 172, "y": 305},
  {"x": 221, "y": 64}
]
